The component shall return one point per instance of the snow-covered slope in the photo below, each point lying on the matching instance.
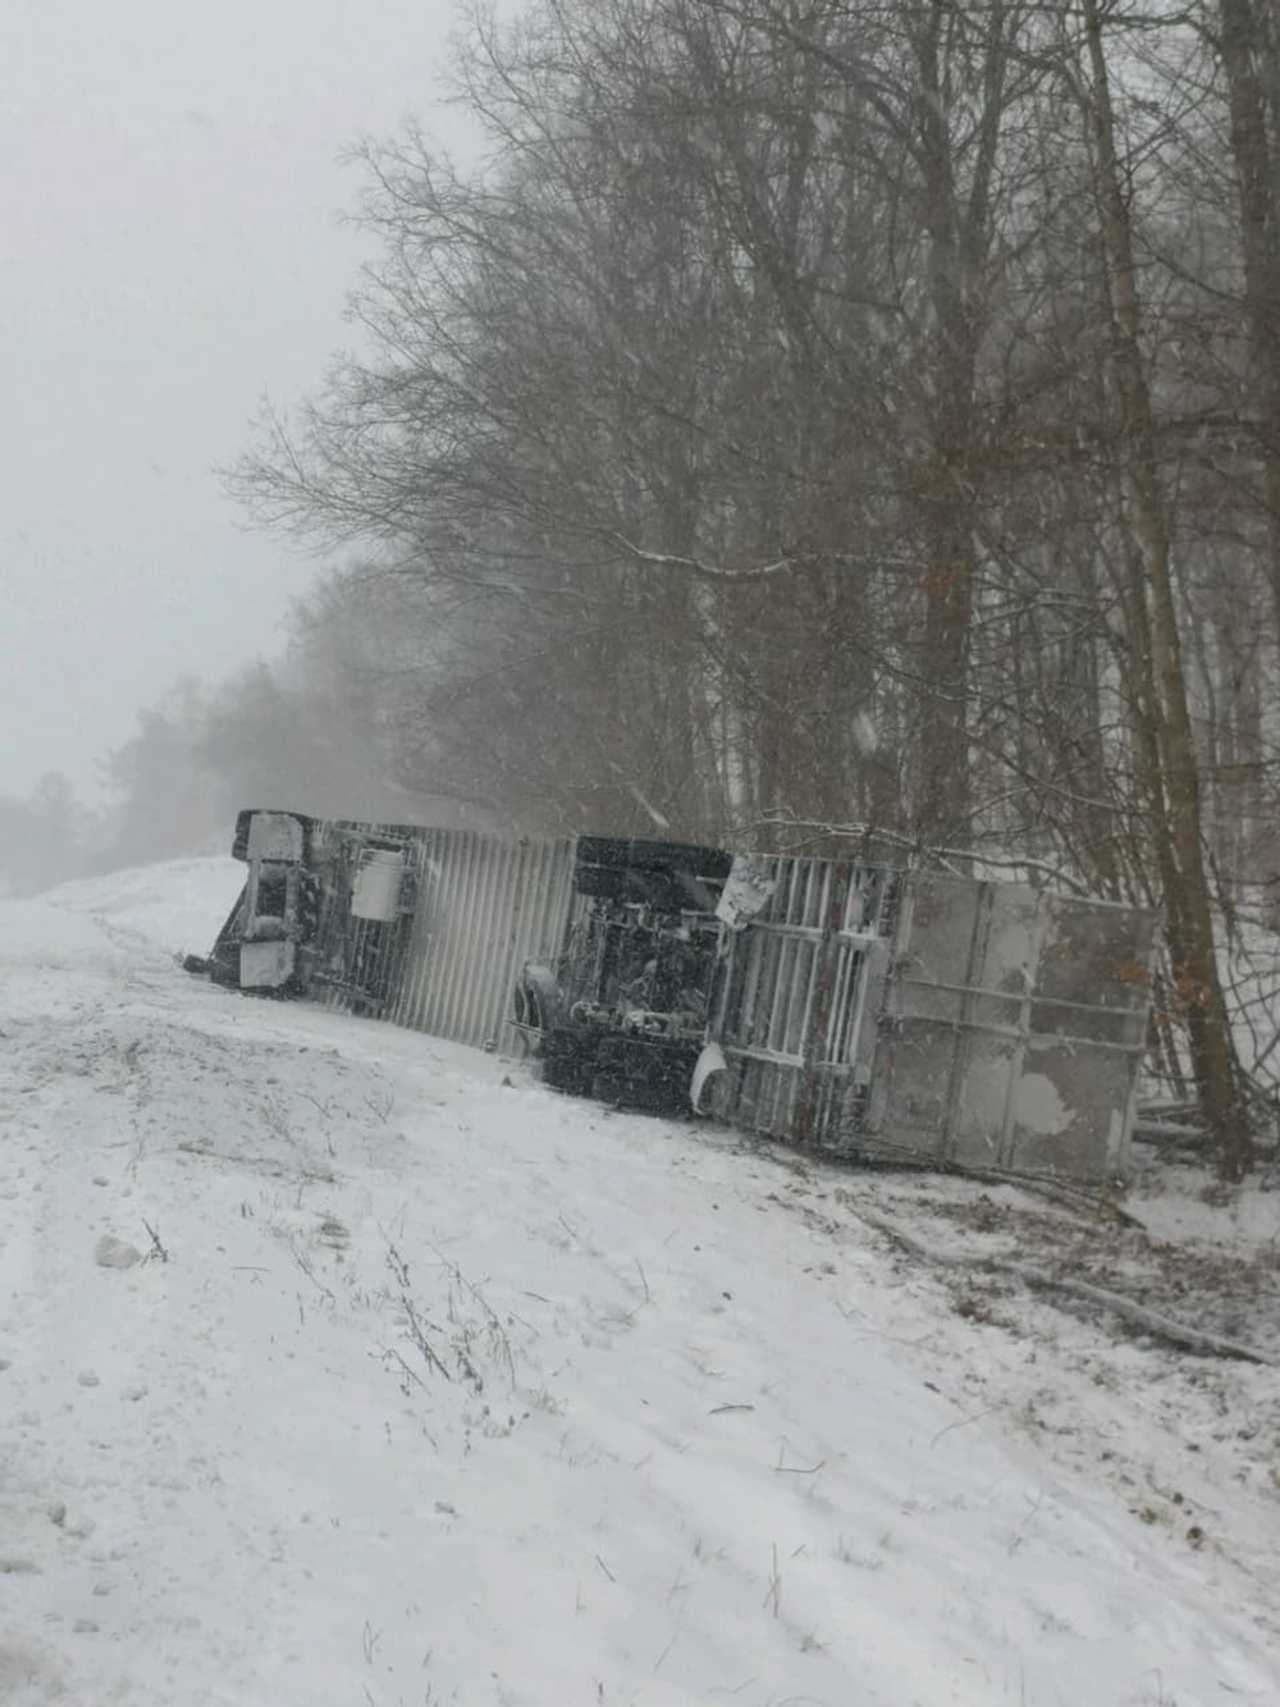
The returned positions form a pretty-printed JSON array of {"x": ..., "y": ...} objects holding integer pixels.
[
  {"x": 435, "y": 1387},
  {"x": 178, "y": 906}
]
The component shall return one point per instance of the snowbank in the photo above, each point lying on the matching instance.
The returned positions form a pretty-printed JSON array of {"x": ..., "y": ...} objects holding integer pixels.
[
  {"x": 36, "y": 933},
  {"x": 178, "y": 907}
]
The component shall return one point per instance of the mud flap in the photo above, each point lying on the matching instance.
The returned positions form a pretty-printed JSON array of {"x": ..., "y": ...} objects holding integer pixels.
[{"x": 710, "y": 1061}]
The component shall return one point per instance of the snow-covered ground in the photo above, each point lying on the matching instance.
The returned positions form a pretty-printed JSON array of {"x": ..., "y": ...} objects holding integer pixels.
[{"x": 435, "y": 1387}]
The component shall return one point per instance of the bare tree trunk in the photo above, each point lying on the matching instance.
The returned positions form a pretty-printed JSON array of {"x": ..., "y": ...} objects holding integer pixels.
[
  {"x": 1241, "y": 46},
  {"x": 1191, "y": 917},
  {"x": 956, "y": 238}
]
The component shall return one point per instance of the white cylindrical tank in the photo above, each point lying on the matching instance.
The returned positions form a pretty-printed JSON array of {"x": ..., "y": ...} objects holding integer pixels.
[{"x": 375, "y": 894}]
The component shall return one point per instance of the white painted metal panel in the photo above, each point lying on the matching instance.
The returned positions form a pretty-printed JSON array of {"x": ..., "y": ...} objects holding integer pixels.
[
  {"x": 1012, "y": 1030},
  {"x": 275, "y": 836}
]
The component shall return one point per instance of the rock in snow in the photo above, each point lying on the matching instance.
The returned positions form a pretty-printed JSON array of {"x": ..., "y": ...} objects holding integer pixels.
[{"x": 111, "y": 1252}]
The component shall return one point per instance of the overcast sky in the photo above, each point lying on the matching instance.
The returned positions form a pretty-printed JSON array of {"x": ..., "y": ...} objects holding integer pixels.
[{"x": 169, "y": 199}]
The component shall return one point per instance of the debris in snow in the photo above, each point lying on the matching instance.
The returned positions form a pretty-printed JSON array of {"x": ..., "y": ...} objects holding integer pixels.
[
  {"x": 111, "y": 1252},
  {"x": 58, "y": 1513},
  {"x": 1148, "y": 1321},
  {"x": 157, "y": 1253},
  {"x": 87, "y": 1378}
]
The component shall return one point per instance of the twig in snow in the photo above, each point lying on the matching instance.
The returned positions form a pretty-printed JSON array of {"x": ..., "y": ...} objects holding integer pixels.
[
  {"x": 643, "y": 1281},
  {"x": 417, "y": 1328},
  {"x": 408, "y": 1373},
  {"x": 605, "y": 1569},
  {"x": 305, "y": 1266},
  {"x": 1158, "y": 1326},
  {"x": 157, "y": 1251},
  {"x": 719, "y": 1410},
  {"x": 499, "y": 1345},
  {"x": 774, "y": 1592},
  {"x": 662, "y": 1656},
  {"x": 962, "y": 1422},
  {"x": 324, "y": 1108},
  {"x": 797, "y": 1469},
  {"x": 381, "y": 1106}
]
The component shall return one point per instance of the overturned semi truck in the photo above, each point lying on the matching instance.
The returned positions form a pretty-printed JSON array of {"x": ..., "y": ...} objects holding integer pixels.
[{"x": 851, "y": 1008}]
